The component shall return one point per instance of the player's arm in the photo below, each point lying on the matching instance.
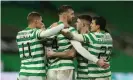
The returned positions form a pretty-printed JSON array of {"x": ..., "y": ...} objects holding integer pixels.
[
  {"x": 79, "y": 37},
  {"x": 50, "y": 32},
  {"x": 74, "y": 36},
  {"x": 82, "y": 51},
  {"x": 65, "y": 54},
  {"x": 42, "y": 33}
]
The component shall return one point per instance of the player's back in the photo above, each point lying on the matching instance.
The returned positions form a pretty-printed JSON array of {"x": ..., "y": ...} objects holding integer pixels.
[
  {"x": 100, "y": 45},
  {"x": 31, "y": 53}
]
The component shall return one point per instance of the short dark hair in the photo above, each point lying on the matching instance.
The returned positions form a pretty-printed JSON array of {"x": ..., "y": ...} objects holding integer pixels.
[
  {"x": 100, "y": 21},
  {"x": 33, "y": 15},
  {"x": 64, "y": 8},
  {"x": 85, "y": 17}
]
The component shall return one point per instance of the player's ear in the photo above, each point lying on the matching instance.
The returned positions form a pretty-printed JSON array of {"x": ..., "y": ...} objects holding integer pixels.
[
  {"x": 83, "y": 24},
  {"x": 34, "y": 21}
]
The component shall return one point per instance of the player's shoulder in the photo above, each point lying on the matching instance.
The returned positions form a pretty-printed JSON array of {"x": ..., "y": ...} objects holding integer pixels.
[
  {"x": 91, "y": 33},
  {"x": 26, "y": 31},
  {"x": 36, "y": 30},
  {"x": 109, "y": 35},
  {"x": 72, "y": 29},
  {"x": 19, "y": 32}
]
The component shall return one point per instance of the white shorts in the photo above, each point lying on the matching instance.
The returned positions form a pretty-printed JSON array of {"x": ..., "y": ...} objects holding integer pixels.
[
  {"x": 31, "y": 78},
  {"x": 60, "y": 74}
]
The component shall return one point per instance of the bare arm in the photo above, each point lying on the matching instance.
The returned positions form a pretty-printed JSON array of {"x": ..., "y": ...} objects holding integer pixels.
[{"x": 65, "y": 54}]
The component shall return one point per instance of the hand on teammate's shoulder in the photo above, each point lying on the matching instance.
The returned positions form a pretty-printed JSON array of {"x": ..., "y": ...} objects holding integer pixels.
[
  {"x": 57, "y": 23},
  {"x": 54, "y": 24}
]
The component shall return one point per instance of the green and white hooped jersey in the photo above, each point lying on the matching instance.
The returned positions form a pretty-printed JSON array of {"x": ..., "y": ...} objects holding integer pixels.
[
  {"x": 82, "y": 67},
  {"x": 100, "y": 44},
  {"x": 31, "y": 53},
  {"x": 64, "y": 45}
]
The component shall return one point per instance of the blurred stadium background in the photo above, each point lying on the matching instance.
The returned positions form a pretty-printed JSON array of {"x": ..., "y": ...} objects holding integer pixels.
[{"x": 119, "y": 15}]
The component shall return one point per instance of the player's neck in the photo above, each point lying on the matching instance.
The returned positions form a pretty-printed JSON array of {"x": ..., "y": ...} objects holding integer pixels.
[
  {"x": 98, "y": 30},
  {"x": 84, "y": 30},
  {"x": 63, "y": 19},
  {"x": 31, "y": 26}
]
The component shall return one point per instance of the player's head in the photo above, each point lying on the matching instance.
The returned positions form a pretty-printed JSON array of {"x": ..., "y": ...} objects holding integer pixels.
[
  {"x": 83, "y": 21},
  {"x": 36, "y": 19},
  {"x": 98, "y": 23},
  {"x": 66, "y": 11}
]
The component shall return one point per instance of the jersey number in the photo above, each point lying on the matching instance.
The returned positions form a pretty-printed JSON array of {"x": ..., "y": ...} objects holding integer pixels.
[
  {"x": 104, "y": 54},
  {"x": 29, "y": 50}
]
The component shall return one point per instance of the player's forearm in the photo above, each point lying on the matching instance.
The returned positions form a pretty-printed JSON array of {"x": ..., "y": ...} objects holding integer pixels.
[
  {"x": 70, "y": 35},
  {"x": 82, "y": 51},
  {"x": 61, "y": 54},
  {"x": 52, "y": 31}
]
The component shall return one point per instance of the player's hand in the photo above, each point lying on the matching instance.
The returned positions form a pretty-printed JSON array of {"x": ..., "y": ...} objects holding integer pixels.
[
  {"x": 105, "y": 66},
  {"x": 102, "y": 63},
  {"x": 71, "y": 53},
  {"x": 43, "y": 26},
  {"x": 49, "y": 52},
  {"x": 54, "y": 25},
  {"x": 67, "y": 33}
]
